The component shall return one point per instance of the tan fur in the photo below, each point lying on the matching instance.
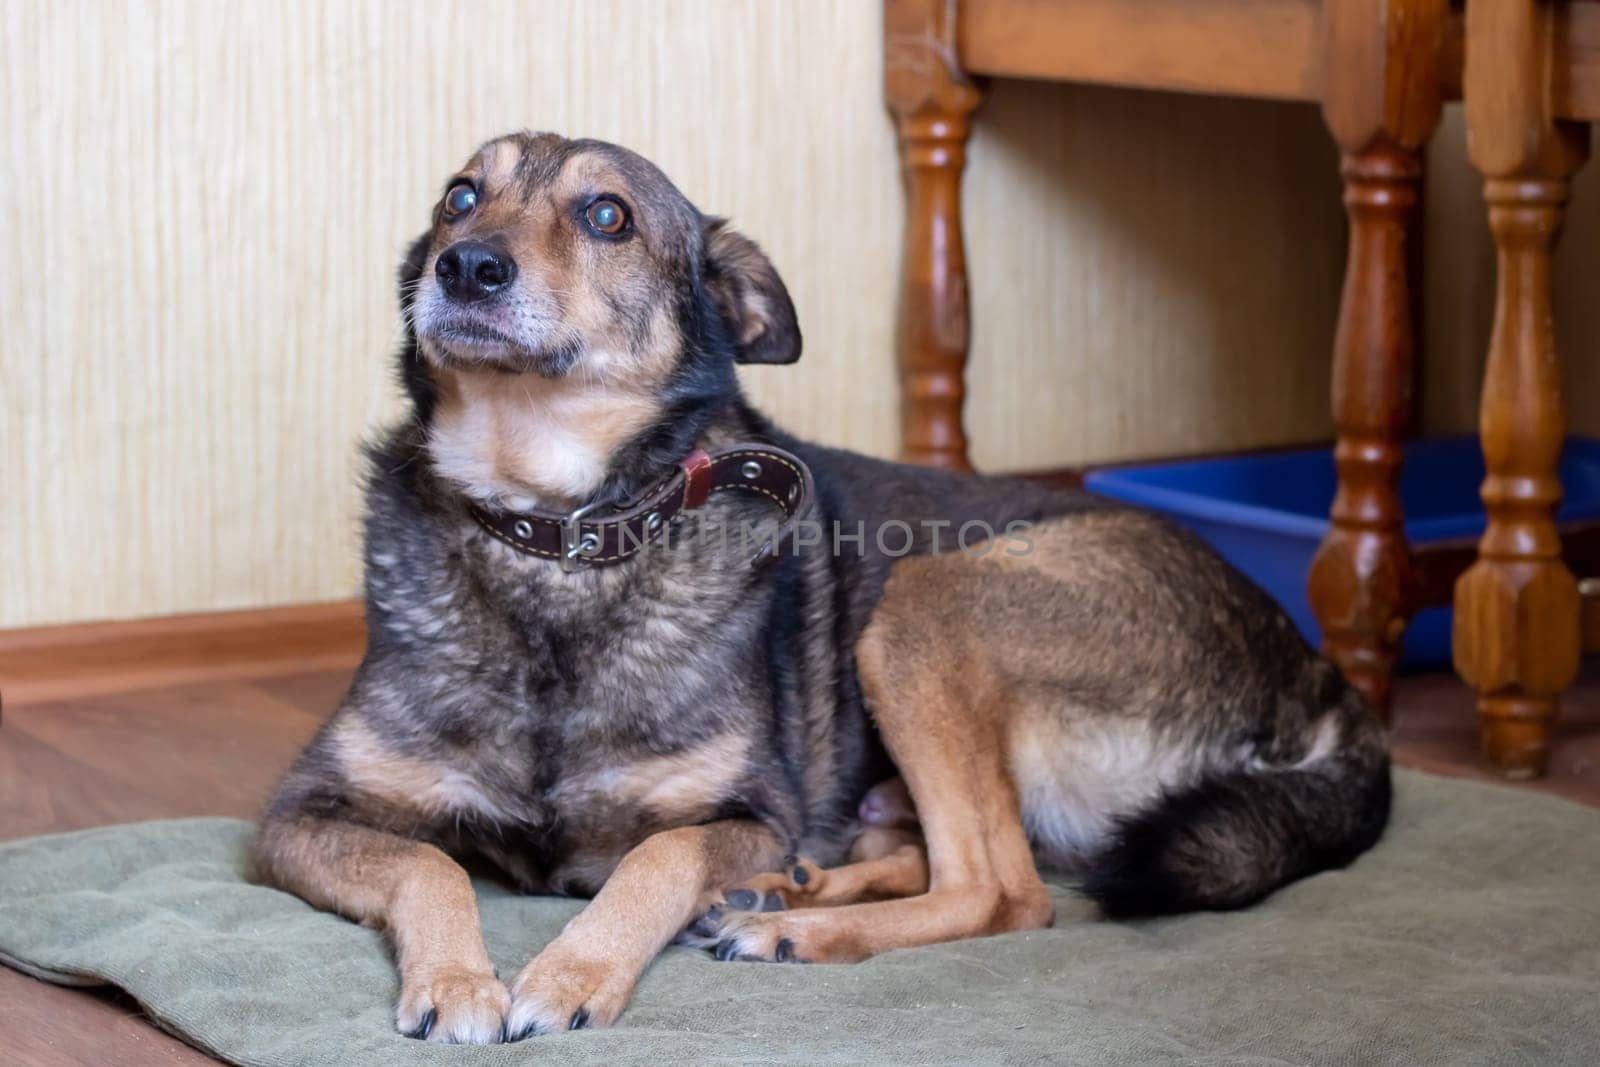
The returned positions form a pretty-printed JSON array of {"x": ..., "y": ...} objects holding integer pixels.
[
  {"x": 400, "y": 781},
  {"x": 417, "y": 894},
  {"x": 654, "y": 892},
  {"x": 685, "y": 786},
  {"x": 524, "y": 438}
]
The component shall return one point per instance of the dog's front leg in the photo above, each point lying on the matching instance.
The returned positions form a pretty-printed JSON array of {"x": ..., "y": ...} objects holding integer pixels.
[
  {"x": 586, "y": 975},
  {"x": 419, "y": 896}
]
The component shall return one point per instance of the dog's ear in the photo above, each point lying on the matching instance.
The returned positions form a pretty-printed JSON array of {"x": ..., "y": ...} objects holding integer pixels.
[{"x": 750, "y": 297}]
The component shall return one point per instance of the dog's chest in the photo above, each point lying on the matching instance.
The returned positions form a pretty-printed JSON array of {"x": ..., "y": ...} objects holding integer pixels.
[
  {"x": 558, "y": 812},
  {"x": 554, "y": 720},
  {"x": 602, "y": 805},
  {"x": 624, "y": 715}
]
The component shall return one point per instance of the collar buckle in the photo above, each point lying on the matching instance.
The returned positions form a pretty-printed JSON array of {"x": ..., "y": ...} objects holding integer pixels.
[{"x": 575, "y": 544}]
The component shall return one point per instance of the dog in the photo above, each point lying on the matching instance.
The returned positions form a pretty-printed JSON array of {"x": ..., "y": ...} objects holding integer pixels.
[{"x": 861, "y": 727}]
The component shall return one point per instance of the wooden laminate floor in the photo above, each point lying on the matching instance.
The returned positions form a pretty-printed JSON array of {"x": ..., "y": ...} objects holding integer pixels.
[{"x": 79, "y": 750}]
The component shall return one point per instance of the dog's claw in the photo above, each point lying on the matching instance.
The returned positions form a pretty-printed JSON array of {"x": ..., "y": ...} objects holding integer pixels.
[
  {"x": 580, "y": 1020},
  {"x": 743, "y": 900},
  {"x": 726, "y": 950},
  {"x": 785, "y": 950},
  {"x": 801, "y": 876},
  {"x": 530, "y": 1030},
  {"x": 425, "y": 1027}
]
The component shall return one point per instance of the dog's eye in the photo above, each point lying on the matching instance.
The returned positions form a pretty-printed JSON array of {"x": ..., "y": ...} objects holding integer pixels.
[
  {"x": 607, "y": 217},
  {"x": 461, "y": 199}
]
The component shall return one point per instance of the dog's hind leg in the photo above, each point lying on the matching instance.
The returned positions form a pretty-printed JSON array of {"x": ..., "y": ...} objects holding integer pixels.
[
  {"x": 419, "y": 896},
  {"x": 942, "y": 713},
  {"x": 585, "y": 976}
]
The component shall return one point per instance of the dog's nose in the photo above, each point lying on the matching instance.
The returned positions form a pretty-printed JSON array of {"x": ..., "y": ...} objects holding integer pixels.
[{"x": 473, "y": 270}]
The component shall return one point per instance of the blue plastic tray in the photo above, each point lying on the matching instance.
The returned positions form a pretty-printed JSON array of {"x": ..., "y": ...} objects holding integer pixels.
[{"x": 1266, "y": 514}]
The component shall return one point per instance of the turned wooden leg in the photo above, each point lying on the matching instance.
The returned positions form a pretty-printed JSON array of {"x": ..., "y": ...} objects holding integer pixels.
[
  {"x": 1517, "y": 609},
  {"x": 932, "y": 100},
  {"x": 1361, "y": 583},
  {"x": 1384, "y": 62}
]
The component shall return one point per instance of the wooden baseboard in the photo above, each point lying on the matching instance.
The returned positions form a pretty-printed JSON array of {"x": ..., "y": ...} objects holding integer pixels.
[{"x": 58, "y": 662}]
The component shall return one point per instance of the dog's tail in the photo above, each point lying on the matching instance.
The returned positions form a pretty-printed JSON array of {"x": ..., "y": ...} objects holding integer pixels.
[{"x": 1231, "y": 839}]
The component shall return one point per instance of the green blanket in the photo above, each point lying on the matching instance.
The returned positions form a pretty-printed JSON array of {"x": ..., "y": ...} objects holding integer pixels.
[{"x": 1470, "y": 935}]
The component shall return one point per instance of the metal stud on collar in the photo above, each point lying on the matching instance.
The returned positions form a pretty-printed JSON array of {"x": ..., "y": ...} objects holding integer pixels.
[
  {"x": 751, "y": 470},
  {"x": 523, "y": 529}
]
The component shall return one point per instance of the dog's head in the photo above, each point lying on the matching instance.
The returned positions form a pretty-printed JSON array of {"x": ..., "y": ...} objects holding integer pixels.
[{"x": 580, "y": 258}]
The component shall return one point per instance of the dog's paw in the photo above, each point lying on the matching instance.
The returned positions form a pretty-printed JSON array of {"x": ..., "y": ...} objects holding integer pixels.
[
  {"x": 454, "y": 1006},
  {"x": 703, "y": 931},
  {"x": 763, "y": 937},
  {"x": 799, "y": 884},
  {"x": 565, "y": 990}
]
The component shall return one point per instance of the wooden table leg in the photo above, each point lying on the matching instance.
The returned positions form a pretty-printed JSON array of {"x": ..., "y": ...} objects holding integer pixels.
[
  {"x": 1517, "y": 609},
  {"x": 1381, "y": 102},
  {"x": 932, "y": 100}
]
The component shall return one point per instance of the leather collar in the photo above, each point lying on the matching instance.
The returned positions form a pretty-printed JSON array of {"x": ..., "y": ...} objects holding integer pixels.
[{"x": 585, "y": 538}]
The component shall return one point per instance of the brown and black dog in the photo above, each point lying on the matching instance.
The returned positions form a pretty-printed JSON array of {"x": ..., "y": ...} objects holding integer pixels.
[{"x": 1056, "y": 678}]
